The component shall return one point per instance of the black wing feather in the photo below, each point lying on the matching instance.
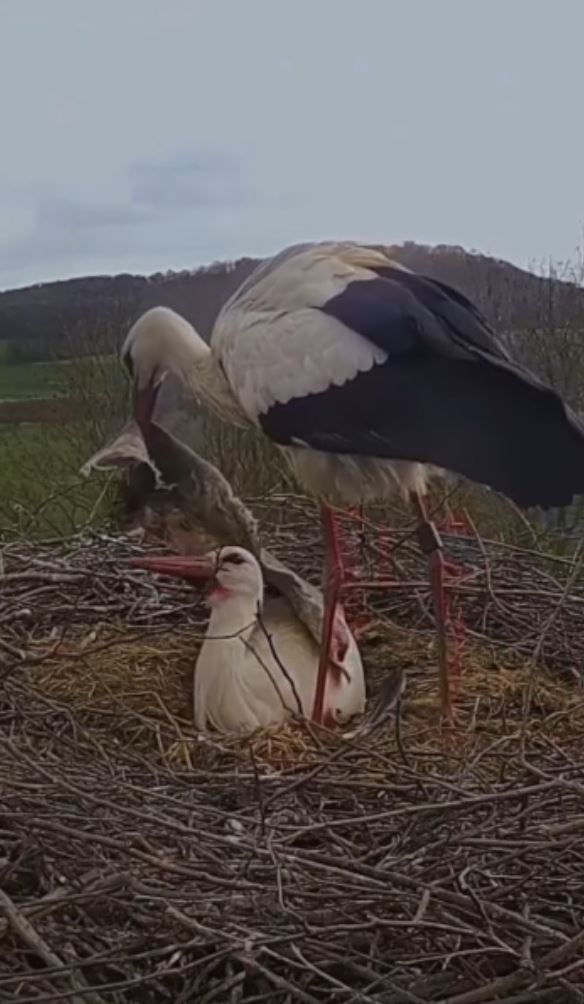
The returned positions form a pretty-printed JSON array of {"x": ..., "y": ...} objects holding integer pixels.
[
  {"x": 471, "y": 420},
  {"x": 448, "y": 304},
  {"x": 448, "y": 395}
]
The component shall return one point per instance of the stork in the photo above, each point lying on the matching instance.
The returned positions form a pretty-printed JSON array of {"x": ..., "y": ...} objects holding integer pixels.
[
  {"x": 258, "y": 663},
  {"x": 170, "y": 475},
  {"x": 370, "y": 378}
]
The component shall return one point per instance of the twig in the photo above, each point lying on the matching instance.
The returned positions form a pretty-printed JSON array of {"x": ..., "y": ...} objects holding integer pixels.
[{"x": 24, "y": 929}]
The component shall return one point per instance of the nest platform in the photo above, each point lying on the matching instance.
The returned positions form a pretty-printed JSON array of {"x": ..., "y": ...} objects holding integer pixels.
[{"x": 142, "y": 863}]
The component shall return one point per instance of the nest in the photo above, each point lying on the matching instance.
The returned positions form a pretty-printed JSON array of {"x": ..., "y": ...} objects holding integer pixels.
[{"x": 142, "y": 863}]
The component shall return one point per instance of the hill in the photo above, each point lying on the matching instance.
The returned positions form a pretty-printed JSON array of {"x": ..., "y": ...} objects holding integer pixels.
[
  {"x": 86, "y": 316},
  {"x": 47, "y": 319},
  {"x": 63, "y": 318}
]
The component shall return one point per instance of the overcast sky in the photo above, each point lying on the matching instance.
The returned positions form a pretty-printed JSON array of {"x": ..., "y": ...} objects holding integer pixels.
[{"x": 139, "y": 135}]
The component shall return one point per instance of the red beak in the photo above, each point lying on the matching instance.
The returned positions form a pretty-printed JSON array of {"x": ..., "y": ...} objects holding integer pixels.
[
  {"x": 192, "y": 569},
  {"x": 144, "y": 402}
]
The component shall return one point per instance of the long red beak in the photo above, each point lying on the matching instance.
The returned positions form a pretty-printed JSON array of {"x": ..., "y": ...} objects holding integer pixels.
[
  {"x": 192, "y": 569},
  {"x": 144, "y": 402}
]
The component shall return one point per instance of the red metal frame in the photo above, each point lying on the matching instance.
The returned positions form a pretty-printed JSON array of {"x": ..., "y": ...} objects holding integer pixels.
[{"x": 353, "y": 539}]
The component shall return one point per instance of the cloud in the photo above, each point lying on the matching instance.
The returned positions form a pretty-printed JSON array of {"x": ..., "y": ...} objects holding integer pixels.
[
  {"x": 203, "y": 180},
  {"x": 155, "y": 204},
  {"x": 65, "y": 235},
  {"x": 57, "y": 213}
]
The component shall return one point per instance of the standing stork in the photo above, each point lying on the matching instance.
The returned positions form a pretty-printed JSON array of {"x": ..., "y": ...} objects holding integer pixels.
[{"x": 370, "y": 377}]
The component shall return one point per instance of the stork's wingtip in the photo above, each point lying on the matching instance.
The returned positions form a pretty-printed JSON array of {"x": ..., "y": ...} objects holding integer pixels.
[{"x": 387, "y": 701}]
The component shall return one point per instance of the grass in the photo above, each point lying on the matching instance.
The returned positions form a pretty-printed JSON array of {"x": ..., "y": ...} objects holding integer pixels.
[
  {"x": 31, "y": 380},
  {"x": 27, "y": 381},
  {"x": 60, "y": 414},
  {"x": 41, "y": 491},
  {"x": 53, "y": 416}
]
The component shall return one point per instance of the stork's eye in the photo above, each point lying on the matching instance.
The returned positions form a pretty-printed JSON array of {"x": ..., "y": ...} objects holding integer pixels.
[{"x": 233, "y": 559}]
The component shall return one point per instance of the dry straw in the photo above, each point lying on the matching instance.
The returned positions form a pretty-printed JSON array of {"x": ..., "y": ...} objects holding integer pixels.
[{"x": 140, "y": 863}]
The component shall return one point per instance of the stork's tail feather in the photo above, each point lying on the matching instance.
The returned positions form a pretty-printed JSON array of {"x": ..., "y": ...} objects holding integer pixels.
[{"x": 530, "y": 446}]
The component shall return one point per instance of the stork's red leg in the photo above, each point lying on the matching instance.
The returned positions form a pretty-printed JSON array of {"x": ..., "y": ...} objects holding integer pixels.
[
  {"x": 332, "y": 584},
  {"x": 431, "y": 545}
]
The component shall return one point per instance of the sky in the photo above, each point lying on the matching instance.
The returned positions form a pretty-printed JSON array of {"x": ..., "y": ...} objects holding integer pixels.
[{"x": 146, "y": 135}]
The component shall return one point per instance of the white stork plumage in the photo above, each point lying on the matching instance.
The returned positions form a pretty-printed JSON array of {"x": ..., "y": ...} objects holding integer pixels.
[
  {"x": 369, "y": 377},
  {"x": 258, "y": 663}
]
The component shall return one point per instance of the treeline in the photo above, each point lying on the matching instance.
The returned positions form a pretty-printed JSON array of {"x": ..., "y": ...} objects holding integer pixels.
[
  {"x": 540, "y": 316},
  {"x": 60, "y": 319}
]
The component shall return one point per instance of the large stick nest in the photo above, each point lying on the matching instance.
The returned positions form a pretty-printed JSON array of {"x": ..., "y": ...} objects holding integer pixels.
[{"x": 139, "y": 863}]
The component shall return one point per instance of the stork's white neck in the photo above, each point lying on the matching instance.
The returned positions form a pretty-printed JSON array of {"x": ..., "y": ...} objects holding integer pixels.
[
  {"x": 232, "y": 622},
  {"x": 197, "y": 368},
  {"x": 218, "y": 678}
]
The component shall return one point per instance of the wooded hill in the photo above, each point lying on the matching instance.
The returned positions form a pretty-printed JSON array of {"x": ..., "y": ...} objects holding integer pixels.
[{"x": 61, "y": 319}]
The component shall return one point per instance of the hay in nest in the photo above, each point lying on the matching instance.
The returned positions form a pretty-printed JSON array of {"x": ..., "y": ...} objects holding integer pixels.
[
  {"x": 140, "y": 683},
  {"x": 141, "y": 863}
]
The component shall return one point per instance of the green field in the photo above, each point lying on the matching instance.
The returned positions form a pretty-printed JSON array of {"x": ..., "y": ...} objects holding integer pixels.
[
  {"x": 52, "y": 418},
  {"x": 30, "y": 380},
  {"x": 27, "y": 381},
  {"x": 41, "y": 490}
]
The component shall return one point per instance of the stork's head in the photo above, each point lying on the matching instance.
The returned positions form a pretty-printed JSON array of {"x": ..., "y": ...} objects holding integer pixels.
[
  {"x": 237, "y": 574},
  {"x": 158, "y": 343},
  {"x": 232, "y": 571}
]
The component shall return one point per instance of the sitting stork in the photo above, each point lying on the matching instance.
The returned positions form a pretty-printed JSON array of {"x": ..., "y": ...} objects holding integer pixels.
[
  {"x": 258, "y": 663},
  {"x": 370, "y": 378},
  {"x": 171, "y": 477}
]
